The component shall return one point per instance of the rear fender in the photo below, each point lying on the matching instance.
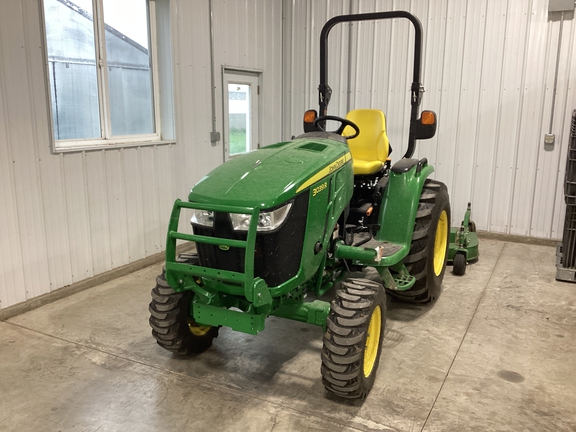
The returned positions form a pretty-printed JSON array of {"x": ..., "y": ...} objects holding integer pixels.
[{"x": 400, "y": 202}]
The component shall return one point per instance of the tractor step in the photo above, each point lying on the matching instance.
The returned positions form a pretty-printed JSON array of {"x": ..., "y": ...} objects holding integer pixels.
[
  {"x": 389, "y": 248},
  {"x": 404, "y": 282}
]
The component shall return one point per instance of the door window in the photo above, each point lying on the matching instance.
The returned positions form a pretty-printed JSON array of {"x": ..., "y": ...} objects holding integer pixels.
[{"x": 241, "y": 112}]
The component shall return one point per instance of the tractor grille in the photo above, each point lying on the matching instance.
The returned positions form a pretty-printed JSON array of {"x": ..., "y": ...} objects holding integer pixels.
[{"x": 277, "y": 255}]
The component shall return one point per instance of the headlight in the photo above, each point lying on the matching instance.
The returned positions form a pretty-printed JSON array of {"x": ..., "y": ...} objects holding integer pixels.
[
  {"x": 267, "y": 221},
  {"x": 202, "y": 217}
]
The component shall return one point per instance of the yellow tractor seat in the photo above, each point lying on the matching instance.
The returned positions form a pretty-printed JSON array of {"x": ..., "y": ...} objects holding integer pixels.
[{"x": 370, "y": 148}]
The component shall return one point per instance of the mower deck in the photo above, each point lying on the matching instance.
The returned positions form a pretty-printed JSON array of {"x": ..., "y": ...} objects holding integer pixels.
[{"x": 463, "y": 244}]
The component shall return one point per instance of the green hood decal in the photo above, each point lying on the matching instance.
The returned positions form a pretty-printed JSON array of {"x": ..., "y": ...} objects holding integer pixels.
[{"x": 272, "y": 175}]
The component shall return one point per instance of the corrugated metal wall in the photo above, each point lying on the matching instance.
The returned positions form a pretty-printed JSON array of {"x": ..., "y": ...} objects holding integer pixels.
[
  {"x": 248, "y": 35},
  {"x": 67, "y": 217},
  {"x": 488, "y": 70}
]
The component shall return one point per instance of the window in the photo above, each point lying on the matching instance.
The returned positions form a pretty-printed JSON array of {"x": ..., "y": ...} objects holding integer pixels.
[
  {"x": 101, "y": 72},
  {"x": 241, "y": 102}
]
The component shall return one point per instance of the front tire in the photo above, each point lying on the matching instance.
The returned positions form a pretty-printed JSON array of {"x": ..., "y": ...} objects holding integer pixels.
[
  {"x": 430, "y": 241},
  {"x": 352, "y": 343},
  {"x": 172, "y": 326}
]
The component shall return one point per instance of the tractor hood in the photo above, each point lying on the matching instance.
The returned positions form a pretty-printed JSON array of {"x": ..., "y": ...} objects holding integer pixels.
[{"x": 267, "y": 177}]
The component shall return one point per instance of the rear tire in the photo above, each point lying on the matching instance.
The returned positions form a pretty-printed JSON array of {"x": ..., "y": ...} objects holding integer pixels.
[
  {"x": 172, "y": 326},
  {"x": 430, "y": 241},
  {"x": 352, "y": 343}
]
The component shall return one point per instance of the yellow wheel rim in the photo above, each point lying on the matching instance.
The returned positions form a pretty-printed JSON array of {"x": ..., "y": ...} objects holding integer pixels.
[
  {"x": 197, "y": 329},
  {"x": 440, "y": 243},
  {"x": 372, "y": 341}
]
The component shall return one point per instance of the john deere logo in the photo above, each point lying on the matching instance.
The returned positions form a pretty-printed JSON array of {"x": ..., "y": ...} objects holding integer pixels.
[{"x": 224, "y": 247}]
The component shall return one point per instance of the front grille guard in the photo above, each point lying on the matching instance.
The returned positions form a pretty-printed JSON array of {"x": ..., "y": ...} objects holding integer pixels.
[{"x": 181, "y": 276}]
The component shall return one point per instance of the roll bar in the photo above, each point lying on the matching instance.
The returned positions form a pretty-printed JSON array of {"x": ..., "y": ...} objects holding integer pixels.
[{"x": 325, "y": 92}]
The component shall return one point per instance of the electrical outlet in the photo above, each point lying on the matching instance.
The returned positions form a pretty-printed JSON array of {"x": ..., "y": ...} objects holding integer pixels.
[
  {"x": 214, "y": 136},
  {"x": 561, "y": 5},
  {"x": 549, "y": 139}
]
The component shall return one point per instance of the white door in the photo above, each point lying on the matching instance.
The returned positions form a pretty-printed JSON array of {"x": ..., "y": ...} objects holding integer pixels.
[{"x": 241, "y": 94}]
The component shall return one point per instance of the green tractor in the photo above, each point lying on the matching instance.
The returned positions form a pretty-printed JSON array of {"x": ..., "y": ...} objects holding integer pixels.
[{"x": 277, "y": 228}]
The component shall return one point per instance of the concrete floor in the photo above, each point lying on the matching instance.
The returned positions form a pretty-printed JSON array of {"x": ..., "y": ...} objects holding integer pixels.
[{"x": 497, "y": 351}]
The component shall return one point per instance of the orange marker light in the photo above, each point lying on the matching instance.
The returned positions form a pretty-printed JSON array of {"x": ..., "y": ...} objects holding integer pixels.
[
  {"x": 428, "y": 117},
  {"x": 369, "y": 211},
  {"x": 310, "y": 116}
]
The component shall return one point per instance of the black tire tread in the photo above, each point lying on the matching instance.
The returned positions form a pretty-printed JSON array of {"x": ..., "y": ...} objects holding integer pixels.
[
  {"x": 417, "y": 260},
  {"x": 459, "y": 264},
  {"x": 345, "y": 337},
  {"x": 169, "y": 320}
]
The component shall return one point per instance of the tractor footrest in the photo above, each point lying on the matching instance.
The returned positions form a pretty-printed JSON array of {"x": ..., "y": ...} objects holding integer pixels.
[
  {"x": 236, "y": 320},
  {"x": 404, "y": 283},
  {"x": 389, "y": 248}
]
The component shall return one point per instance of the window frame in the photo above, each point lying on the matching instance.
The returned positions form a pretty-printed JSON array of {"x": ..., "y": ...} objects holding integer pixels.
[
  {"x": 242, "y": 76},
  {"x": 107, "y": 140}
]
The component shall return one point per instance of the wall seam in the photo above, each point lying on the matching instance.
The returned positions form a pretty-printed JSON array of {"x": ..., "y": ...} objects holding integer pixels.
[
  {"x": 35, "y": 144},
  {"x": 498, "y": 124},
  {"x": 455, "y": 169},
  {"x": 480, "y": 100},
  {"x": 519, "y": 125},
  {"x": 439, "y": 133},
  {"x": 89, "y": 213},
  {"x": 11, "y": 174}
]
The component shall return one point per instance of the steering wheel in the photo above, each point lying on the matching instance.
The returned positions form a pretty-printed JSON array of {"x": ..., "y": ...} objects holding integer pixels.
[{"x": 343, "y": 123}]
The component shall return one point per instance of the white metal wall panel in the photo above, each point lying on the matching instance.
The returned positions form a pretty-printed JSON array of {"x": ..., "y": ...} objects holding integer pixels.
[
  {"x": 25, "y": 170},
  {"x": 338, "y": 42},
  {"x": 248, "y": 35},
  {"x": 55, "y": 219},
  {"x": 450, "y": 92},
  {"x": 116, "y": 198},
  {"x": 78, "y": 223},
  {"x": 488, "y": 69},
  {"x": 303, "y": 21},
  {"x": 149, "y": 174},
  {"x": 167, "y": 187},
  {"x": 191, "y": 48},
  {"x": 468, "y": 140},
  {"x": 434, "y": 46},
  {"x": 547, "y": 161},
  {"x": 134, "y": 199},
  {"x": 532, "y": 122},
  {"x": 67, "y": 217},
  {"x": 551, "y": 164},
  {"x": 363, "y": 44},
  {"x": 98, "y": 225},
  {"x": 563, "y": 120},
  {"x": 400, "y": 37},
  {"x": 378, "y": 84},
  {"x": 509, "y": 109},
  {"x": 488, "y": 112},
  {"x": 11, "y": 265}
]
